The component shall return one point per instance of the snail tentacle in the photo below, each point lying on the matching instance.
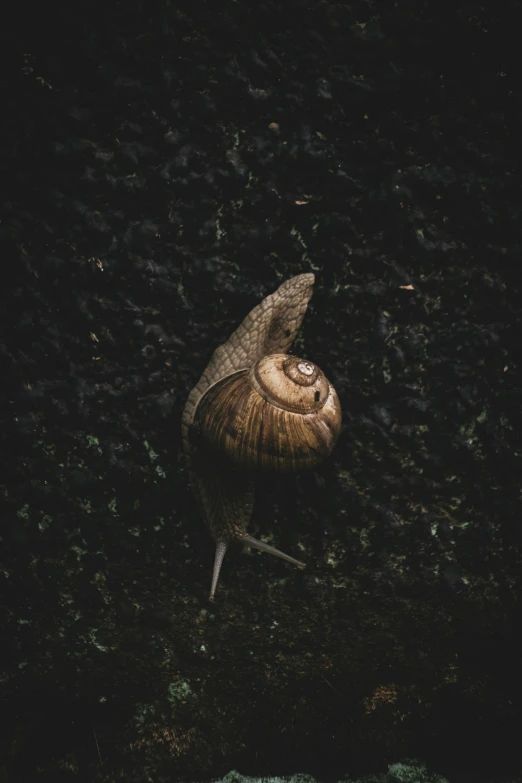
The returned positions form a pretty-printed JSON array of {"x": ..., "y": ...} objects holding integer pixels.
[
  {"x": 256, "y": 544},
  {"x": 221, "y": 548}
]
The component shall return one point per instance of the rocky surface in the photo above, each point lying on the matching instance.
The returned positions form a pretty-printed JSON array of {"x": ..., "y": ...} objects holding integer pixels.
[{"x": 166, "y": 168}]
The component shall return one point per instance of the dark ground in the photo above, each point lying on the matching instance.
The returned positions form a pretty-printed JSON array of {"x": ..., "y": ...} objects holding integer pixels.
[{"x": 165, "y": 166}]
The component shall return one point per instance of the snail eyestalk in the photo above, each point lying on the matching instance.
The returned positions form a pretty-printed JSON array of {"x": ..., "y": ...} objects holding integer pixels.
[
  {"x": 221, "y": 548},
  {"x": 255, "y": 544}
]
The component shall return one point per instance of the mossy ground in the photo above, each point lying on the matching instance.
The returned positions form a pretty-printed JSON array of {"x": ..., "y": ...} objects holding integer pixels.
[{"x": 166, "y": 169}]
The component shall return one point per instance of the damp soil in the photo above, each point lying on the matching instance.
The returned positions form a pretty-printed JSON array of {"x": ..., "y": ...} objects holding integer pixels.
[{"x": 165, "y": 168}]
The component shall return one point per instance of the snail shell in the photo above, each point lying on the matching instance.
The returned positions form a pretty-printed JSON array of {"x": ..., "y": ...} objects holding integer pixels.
[
  {"x": 257, "y": 409},
  {"x": 282, "y": 415}
]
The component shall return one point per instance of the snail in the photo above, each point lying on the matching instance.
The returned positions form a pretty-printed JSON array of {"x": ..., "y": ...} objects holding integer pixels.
[{"x": 256, "y": 409}]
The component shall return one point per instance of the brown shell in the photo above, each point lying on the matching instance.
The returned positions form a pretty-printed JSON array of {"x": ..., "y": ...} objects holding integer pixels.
[
  {"x": 282, "y": 415},
  {"x": 270, "y": 327}
]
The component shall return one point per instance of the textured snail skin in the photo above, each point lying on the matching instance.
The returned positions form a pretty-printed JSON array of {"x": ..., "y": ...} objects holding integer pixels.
[{"x": 234, "y": 392}]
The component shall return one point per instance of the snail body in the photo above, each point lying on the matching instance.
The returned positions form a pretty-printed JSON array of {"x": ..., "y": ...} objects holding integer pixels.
[{"x": 257, "y": 409}]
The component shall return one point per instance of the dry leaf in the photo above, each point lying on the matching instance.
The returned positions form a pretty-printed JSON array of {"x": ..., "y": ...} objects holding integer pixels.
[
  {"x": 407, "y": 287},
  {"x": 302, "y": 202}
]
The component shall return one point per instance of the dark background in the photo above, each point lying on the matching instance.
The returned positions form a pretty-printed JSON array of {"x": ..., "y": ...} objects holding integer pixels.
[{"x": 164, "y": 167}]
